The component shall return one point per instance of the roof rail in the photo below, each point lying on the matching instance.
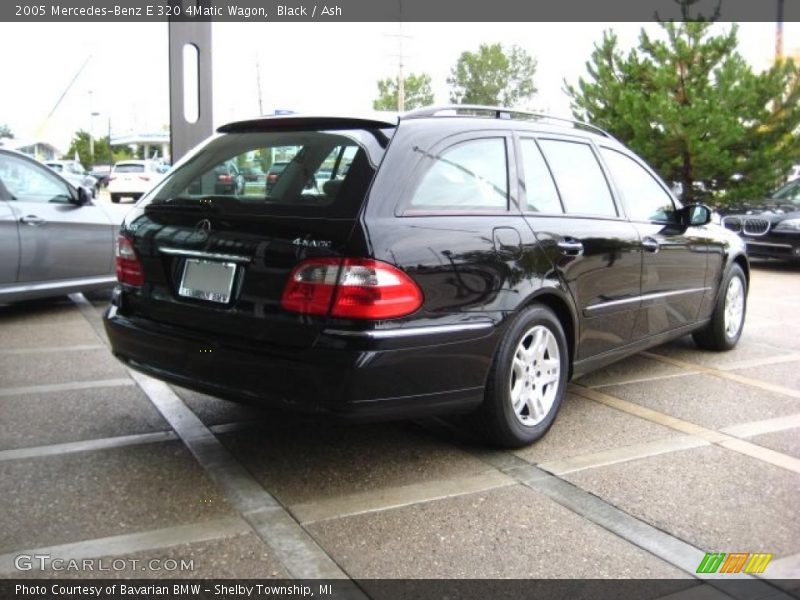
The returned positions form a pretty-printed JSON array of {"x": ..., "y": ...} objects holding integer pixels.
[{"x": 497, "y": 112}]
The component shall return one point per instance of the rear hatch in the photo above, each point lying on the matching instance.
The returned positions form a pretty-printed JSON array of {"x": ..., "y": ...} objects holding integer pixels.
[{"x": 217, "y": 263}]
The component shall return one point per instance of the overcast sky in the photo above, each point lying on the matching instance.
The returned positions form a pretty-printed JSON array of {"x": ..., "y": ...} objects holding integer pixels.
[{"x": 309, "y": 67}]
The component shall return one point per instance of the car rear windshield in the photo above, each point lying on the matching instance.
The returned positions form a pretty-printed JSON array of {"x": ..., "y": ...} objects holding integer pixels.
[
  {"x": 129, "y": 168},
  {"x": 310, "y": 173}
]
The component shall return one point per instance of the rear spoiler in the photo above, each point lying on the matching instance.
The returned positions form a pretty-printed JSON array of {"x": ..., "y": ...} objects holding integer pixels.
[{"x": 303, "y": 122}]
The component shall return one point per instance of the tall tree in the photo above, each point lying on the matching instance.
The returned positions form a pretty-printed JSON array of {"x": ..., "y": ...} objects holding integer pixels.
[
  {"x": 80, "y": 144},
  {"x": 417, "y": 92},
  {"x": 694, "y": 109},
  {"x": 5, "y": 132},
  {"x": 493, "y": 76}
]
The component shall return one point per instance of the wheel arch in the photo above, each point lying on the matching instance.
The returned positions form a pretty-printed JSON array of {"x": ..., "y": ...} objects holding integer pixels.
[
  {"x": 741, "y": 260},
  {"x": 557, "y": 301}
]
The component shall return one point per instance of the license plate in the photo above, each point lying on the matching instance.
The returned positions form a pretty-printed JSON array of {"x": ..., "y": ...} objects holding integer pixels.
[{"x": 207, "y": 280}]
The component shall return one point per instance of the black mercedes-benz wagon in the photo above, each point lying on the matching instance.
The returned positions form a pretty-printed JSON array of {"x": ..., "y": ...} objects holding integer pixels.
[{"x": 457, "y": 259}]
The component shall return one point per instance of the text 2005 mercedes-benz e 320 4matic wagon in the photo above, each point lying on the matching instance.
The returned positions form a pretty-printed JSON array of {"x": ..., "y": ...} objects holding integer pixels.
[{"x": 442, "y": 262}]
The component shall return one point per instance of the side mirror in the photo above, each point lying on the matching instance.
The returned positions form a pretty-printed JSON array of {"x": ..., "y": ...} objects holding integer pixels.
[
  {"x": 83, "y": 196},
  {"x": 696, "y": 215}
]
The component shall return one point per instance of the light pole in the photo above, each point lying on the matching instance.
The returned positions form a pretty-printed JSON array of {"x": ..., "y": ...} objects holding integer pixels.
[{"x": 91, "y": 134}]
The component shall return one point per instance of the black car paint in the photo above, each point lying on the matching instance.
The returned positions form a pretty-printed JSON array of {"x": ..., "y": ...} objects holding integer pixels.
[{"x": 475, "y": 269}]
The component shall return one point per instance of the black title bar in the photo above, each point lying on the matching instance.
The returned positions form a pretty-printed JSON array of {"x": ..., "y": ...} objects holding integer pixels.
[{"x": 260, "y": 11}]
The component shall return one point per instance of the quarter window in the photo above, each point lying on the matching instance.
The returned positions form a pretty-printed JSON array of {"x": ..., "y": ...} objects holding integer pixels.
[
  {"x": 541, "y": 192},
  {"x": 471, "y": 175},
  {"x": 583, "y": 187},
  {"x": 645, "y": 199}
]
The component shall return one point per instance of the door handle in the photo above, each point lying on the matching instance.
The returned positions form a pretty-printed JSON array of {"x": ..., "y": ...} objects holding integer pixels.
[
  {"x": 570, "y": 247},
  {"x": 651, "y": 245},
  {"x": 32, "y": 220}
]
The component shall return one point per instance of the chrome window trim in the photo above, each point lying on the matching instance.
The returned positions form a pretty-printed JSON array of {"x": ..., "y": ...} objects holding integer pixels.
[
  {"x": 208, "y": 255},
  {"x": 382, "y": 334}
]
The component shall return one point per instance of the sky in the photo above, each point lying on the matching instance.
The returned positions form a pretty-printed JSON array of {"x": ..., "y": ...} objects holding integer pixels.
[{"x": 307, "y": 67}]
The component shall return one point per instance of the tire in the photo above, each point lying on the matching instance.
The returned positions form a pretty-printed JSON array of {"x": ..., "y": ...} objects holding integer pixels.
[
  {"x": 115, "y": 198},
  {"x": 521, "y": 402},
  {"x": 727, "y": 320}
]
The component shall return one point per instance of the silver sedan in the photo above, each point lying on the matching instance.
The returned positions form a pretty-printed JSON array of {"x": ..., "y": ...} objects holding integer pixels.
[{"x": 54, "y": 238}]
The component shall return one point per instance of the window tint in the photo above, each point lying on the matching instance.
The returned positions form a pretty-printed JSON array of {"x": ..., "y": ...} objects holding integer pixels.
[
  {"x": 540, "y": 190},
  {"x": 28, "y": 182},
  {"x": 468, "y": 176},
  {"x": 580, "y": 180},
  {"x": 645, "y": 199},
  {"x": 129, "y": 168},
  {"x": 308, "y": 172}
]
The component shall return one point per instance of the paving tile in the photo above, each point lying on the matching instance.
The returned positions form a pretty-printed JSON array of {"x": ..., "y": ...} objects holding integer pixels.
[
  {"x": 787, "y": 441},
  {"x": 713, "y": 498},
  {"x": 59, "y": 499},
  {"x": 508, "y": 532},
  {"x": 19, "y": 370},
  {"x": 214, "y": 411},
  {"x": 240, "y": 557},
  {"x": 57, "y": 417},
  {"x": 303, "y": 461},
  {"x": 48, "y": 311},
  {"x": 74, "y": 332},
  {"x": 633, "y": 367},
  {"x": 707, "y": 400},
  {"x": 786, "y": 374},
  {"x": 583, "y": 427},
  {"x": 748, "y": 348}
]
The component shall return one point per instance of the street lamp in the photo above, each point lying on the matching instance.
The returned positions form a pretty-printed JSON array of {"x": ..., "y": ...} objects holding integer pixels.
[{"x": 91, "y": 134}]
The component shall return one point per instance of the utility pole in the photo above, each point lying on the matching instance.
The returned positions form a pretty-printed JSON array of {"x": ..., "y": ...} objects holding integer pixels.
[
  {"x": 779, "y": 33},
  {"x": 401, "y": 81},
  {"x": 258, "y": 83}
]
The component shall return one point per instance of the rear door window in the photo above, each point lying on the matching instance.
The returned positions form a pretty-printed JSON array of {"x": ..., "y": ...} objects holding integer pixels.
[
  {"x": 540, "y": 190},
  {"x": 579, "y": 177},
  {"x": 469, "y": 176}
]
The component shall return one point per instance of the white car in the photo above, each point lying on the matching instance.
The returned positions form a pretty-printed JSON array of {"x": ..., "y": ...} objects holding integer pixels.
[
  {"x": 133, "y": 178},
  {"x": 73, "y": 171},
  {"x": 794, "y": 173}
]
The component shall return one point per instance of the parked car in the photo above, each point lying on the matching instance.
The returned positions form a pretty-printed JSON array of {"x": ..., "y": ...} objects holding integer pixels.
[
  {"x": 463, "y": 263},
  {"x": 770, "y": 226},
  {"x": 101, "y": 173},
  {"x": 132, "y": 178},
  {"x": 73, "y": 171},
  {"x": 274, "y": 172},
  {"x": 253, "y": 174},
  {"x": 228, "y": 179},
  {"x": 54, "y": 239}
]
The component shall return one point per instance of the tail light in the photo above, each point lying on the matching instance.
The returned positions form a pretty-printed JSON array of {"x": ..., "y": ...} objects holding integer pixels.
[
  {"x": 272, "y": 177},
  {"x": 129, "y": 269},
  {"x": 144, "y": 177},
  {"x": 112, "y": 177},
  {"x": 225, "y": 178},
  {"x": 350, "y": 288}
]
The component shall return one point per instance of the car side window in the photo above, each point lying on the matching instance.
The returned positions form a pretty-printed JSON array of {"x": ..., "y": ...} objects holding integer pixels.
[
  {"x": 540, "y": 190},
  {"x": 471, "y": 175},
  {"x": 579, "y": 177},
  {"x": 645, "y": 199},
  {"x": 28, "y": 182}
]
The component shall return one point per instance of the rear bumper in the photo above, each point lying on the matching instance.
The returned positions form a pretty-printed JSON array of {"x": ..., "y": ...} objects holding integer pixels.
[{"x": 360, "y": 379}]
